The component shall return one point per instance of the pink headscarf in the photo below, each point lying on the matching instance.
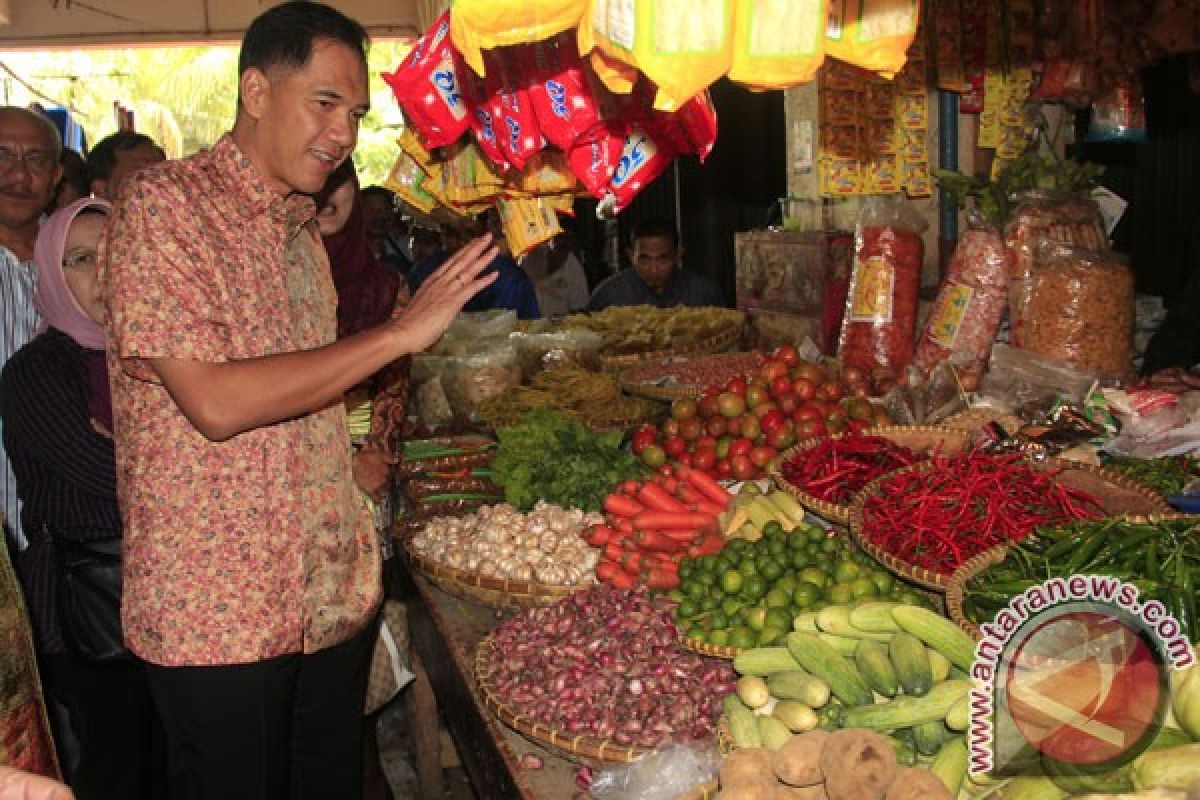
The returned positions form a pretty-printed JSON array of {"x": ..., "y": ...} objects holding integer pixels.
[{"x": 52, "y": 297}]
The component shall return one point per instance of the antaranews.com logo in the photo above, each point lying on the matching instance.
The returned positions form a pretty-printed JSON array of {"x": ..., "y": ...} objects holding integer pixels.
[{"x": 1072, "y": 675}]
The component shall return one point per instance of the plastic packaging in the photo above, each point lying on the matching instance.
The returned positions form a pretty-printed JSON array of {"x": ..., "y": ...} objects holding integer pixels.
[
  {"x": 469, "y": 380},
  {"x": 970, "y": 304},
  {"x": 427, "y": 87},
  {"x": 507, "y": 100},
  {"x": 1044, "y": 216},
  {"x": 777, "y": 43},
  {"x": 541, "y": 351},
  {"x": 558, "y": 90},
  {"x": 881, "y": 308},
  {"x": 1018, "y": 377},
  {"x": 484, "y": 24},
  {"x": 644, "y": 157},
  {"x": 872, "y": 34},
  {"x": 1081, "y": 309},
  {"x": 666, "y": 774}
]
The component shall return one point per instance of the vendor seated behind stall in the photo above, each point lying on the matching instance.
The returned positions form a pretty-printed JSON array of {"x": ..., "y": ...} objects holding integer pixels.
[
  {"x": 656, "y": 278},
  {"x": 512, "y": 288}
]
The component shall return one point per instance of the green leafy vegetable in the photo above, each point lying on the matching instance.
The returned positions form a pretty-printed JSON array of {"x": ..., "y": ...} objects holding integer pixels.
[
  {"x": 1167, "y": 476},
  {"x": 1033, "y": 170},
  {"x": 554, "y": 458}
]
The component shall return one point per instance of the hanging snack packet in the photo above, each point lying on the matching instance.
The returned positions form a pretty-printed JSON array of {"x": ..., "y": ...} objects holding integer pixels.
[
  {"x": 617, "y": 77},
  {"x": 595, "y": 155},
  {"x": 872, "y": 34},
  {"x": 777, "y": 43},
  {"x": 698, "y": 119},
  {"x": 486, "y": 24},
  {"x": 548, "y": 173},
  {"x": 684, "y": 46},
  {"x": 406, "y": 179},
  {"x": 427, "y": 87},
  {"x": 643, "y": 158},
  {"x": 527, "y": 221},
  {"x": 515, "y": 124},
  {"x": 558, "y": 90}
]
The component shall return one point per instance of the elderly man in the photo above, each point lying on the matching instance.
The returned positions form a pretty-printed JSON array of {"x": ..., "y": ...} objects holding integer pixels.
[
  {"x": 251, "y": 565},
  {"x": 29, "y": 171},
  {"x": 656, "y": 278},
  {"x": 115, "y": 158}
]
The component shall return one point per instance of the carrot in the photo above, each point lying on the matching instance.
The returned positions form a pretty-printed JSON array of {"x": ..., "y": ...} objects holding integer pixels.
[
  {"x": 622, "y": 525},
  {"x": 689, "y": 495},
  {"x": 660, "y": 579},
  {"x": 707, "y": 507},
  {"x": 634, "y": 560},
  {"x": 710, "y": 545},
  {"x": 706, "y": 485},
  {"x": 622, "y": 506},
  {"x": 605, "y": 570},
  {"x": 685, "y": 537},
  {"x": 670, "y": 483},
  {"x": 613, "y": 551},
  {"x": 670, "y": 520},
  {"x": 598, "y": 535},
  {"x": 656, "y": 498},
  {"x": 657, "y": 542},
  {"x": 629, "y": 487},
  {"x": 623, "y": 580}
]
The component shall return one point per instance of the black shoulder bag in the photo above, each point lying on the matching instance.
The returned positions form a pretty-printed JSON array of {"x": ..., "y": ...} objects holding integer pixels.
[{"x": 89, "y": 597}]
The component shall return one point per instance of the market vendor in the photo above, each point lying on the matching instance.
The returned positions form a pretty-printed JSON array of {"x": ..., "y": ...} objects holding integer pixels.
[
  {"x": 252, "y": 569},
  {"x": 657, "y": 277}
]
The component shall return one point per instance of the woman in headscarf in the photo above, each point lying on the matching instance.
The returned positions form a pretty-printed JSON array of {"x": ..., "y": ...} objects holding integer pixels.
[{"x": 54, "y": 399}]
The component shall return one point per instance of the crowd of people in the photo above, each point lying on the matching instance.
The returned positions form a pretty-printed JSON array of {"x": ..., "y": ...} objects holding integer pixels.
[{"x": 184, "y": 507}]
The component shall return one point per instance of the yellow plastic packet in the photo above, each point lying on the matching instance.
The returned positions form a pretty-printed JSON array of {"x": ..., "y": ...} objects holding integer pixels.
[
  {"x": 410, "y": 143},
  {"x": 527, "y": 221},
  {"x": 777, "y": 43},
  {"x": 469, "y": 177},
  {"x": 548, "y": 173},
  {"x": 684, "y": 46},
  {"x": 872, "y": 34},
  {"x": 407, "y": 179},
  {"x": 618, "y": 77},
  {"x": 477, "y": 25}
]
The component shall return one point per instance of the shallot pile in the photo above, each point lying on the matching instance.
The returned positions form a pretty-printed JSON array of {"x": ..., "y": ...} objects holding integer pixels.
[
  {"x": 545, "y": 545},
  {"x": 606, "y": 663}
]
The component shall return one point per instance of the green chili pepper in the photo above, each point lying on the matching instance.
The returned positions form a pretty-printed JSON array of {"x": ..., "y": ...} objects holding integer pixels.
[{"x": 1088, "y": 549}]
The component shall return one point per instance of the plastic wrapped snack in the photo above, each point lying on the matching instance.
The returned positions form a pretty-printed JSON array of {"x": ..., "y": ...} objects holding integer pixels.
[
  {"x": 777, "y": 43},
  {"x": 881, "y": 308},
  {"x": 1081, "y": 309},
  {"x": 559, "y": 90},
  {"x": 427, "y": 87},
  {"x": 540, "y": 351},
  {"x": 470, "y": 380},
  {"x": 970, "y": 304},
  {"x": 872, "y": 34},
  {"x": 485, "y": 24}
]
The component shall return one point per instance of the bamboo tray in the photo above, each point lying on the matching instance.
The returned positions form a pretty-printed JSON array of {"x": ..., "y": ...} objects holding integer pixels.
[
  {"x": 571, "y": 747},
  {"x": 496, "y": 593},
  {"x": 920, "y": 438},
  {"x": 1116, "y": 494},
  {"x": 720, "y": 343},
  {"x": 714, "y": 650},
  {"x": 972, "y": 567},
  {"x": 646, "y": 380}
]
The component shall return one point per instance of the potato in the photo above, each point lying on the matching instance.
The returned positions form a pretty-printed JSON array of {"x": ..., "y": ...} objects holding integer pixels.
[
  {"x": 814, "y": 792},
  {"x": 747, "y": 765},
  {"x": 748, "y": 791},
  {"x": 917, "y": 783},
  {"x": 857, "y": 765},
  {"x": 798, "y": 763}
]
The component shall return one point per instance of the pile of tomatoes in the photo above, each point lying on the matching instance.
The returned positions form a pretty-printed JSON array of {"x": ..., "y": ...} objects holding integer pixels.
[{"x": 733, "y": 431}]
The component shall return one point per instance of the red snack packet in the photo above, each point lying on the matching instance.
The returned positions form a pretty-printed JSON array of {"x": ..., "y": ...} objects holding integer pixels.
[
  {"x": 483, "y": 120},
  {"x": 515, "y": 123},
  {"x": 558, "y": 90},
  {"x": 427, "y": 87},
  {"x": 643, "y": 158},
  {"x": 698, "y": 119},
  {"x": 594, "y": 156}
]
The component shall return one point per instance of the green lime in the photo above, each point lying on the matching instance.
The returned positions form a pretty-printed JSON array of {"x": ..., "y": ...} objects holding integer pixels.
[
  {"x": 754, "y": 587},
  {"x": 676, "y": 594},
  {"x": 841, "y": 593},
  {"x": 777, "y": 547},
  {"x": 709, "y": 603},
  {"x": 696, "y": 632},
  {"x": 787, "y": 581},
  {"x": 771, "y": 635},
  {"x": 755, "y": 618},
  {"x": 741, "y": 638},
  {"x": 686, "y": 608},
  {"x": 771, "y": 571},
  {"x": 718, "y": 637},
  {"x": 779, "y": 618},
  {"x": 730, "y": 606},
  {"x": 846, "y": 571},
  {"x": 806, "y": 594},
  {"x": 884, "y": 581},
  {"x": 697, "y": 591},
  {"x": 747, "y": 567},
  {"x": 815, "y": 533},
  {"x": 777, "y": 598},
  {"x": 863, "y": 588},
  {"x": 731, "y": 581},
  {"x": 706, "y": 563},
  {"x": 797, "y": 540},
  {"x": 814, "y": 576},
  {"x": 773, "y": 529},
  {"x": 801, "y": 558},
  {"x": 830, "y": 545}
]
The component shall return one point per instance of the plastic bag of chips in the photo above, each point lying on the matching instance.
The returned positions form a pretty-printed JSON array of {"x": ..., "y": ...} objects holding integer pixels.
[
  {"x": 872, "y": 34},
  {"x": 777, "y": 43},
  {"x": 485, "y": 24},
  {"x": 427, "y": 87},
  {"x": 558, "y": 90},
  {"x": 527, "y": 221},
  {"x": 513, "y": 118}
]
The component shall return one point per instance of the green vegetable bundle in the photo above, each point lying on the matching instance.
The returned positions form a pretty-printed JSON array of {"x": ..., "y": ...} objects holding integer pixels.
[
  {"x": 560, "y": 460},
  {"x": 1167, "y": 476}
]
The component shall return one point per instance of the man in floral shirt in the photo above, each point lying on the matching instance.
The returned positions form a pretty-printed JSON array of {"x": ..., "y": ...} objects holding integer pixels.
[{"x": 251, "y": 568}]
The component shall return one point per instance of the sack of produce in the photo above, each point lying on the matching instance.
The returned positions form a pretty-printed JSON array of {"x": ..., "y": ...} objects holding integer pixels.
[
  {"x": 872, "y": 34},
  {"x": 484, "y": 24},
  {"x": 777, "y": 43},
  {"x": 1044, "y": 216},
  {"x": 472, "y": 379},
  {"x": 881, "y": 308},
  {"x": 427, "y": 87},
  {"x": 1081, "y": 308},
  {"x": 684, "y": 46},
  {"x": 970, "y": 304}
]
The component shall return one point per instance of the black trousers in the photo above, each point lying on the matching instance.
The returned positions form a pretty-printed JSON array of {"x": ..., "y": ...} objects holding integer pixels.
[
  {"x": 288, "y": 728},
  {"x": 112, "y": 720}
]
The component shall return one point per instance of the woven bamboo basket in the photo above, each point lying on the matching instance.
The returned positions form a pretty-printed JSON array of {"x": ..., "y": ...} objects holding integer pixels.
[
  {"x": 644, "y": 380},
  {"x": 919, "y": 438},
  {"x": 721, "y": 343},
  {"x": 496, "y": 593},
  {"x": 1116, "y": 494},
  {"x": 571, "y": 747},
  {"x": 973, "y": 567},
  {"x": 975, "y": 418},
  {"x": 706, "y": 649}
]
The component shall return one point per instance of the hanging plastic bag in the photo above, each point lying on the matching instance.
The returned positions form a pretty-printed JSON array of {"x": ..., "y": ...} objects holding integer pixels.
[
  {"x": 684, "y": 46},
  {"x": 970, "y": 304},
  {"x": 407, "y": 179},
  {"x": 595, "y": 155},
  {"x": 427, "y": 87},
  {"x": 881, "y": 308},
  {"x": 558, "y": 90},
  {"x": 617, "y": 76},
  {"x": 872, "y": 34},
  {"x": 777, "y": 43},
  {"x": 484, "y": 120},
  {"x": 527, "y": 221},
  {"x": 486, "y": 24},
  {"x": 643, "y": 158},
  {"x": 513, "y": 119},
  {"x": 698, "y": 120}
]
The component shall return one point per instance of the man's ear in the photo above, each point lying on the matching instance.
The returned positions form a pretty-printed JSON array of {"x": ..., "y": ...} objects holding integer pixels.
[{"x": 254, "y": 89}]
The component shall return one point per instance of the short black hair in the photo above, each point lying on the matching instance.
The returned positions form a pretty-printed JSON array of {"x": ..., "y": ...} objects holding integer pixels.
[
  {"x": 283, "y": 36},
  {"x": 654, "y": 227},
  {"x": 381, "y": 191},
  {"x": 102, "y": 158},
  {"x": 75, "y": 172}
]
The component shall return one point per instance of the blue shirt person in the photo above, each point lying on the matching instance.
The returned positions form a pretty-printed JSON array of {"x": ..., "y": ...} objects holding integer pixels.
[
  {"x": 656, "y": 278},
  {"x": 512, "y": 288}
]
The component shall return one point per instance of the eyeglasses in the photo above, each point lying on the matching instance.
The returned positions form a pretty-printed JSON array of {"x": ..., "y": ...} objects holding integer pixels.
[
  {"x": 38, "y": 162},
  {"x": 84, "y": 258}
]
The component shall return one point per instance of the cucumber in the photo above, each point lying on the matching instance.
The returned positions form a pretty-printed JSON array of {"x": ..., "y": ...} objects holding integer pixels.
[
  {"x": 836, "y": 620},
  {"x": 905, "y": 754},
  {"x": 821, "y": 660},
  {"x": 911, "y": 660},
  {"x": 799, "y": 685},
  {"x": 752, "y": 690},
  {"x": 950, "y": 764},
  {"x": 743, "y": 726},
  {"x": 905, "y": 712},
  {"x": 938, "y": 632},
  {"x": 806, "y": 621},
  {"x": 843, "y": 645},
  {"x": 959, "y": 715},
  {"x": 928, "y": 737},
  {"x": 939, "y": 665},
  {"x": 875, "y": 667},
  {"x": 798, "y": 717},
  {"x": 875, "y": 616},
  {"x": 773, "y": 733},
  {"x": 764, "y": 661},
  {"x": 1030, "y": 788}
]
